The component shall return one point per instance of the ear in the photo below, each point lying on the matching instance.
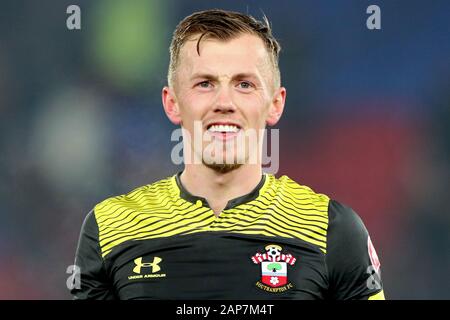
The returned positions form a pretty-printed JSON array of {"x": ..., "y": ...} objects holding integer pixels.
[
  {"x": 276, "y": 107},
  {"x": 170, "y": 104}
]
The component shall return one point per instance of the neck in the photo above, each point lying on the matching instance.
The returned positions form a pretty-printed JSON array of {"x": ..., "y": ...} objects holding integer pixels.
[{"x": 218, "y": 188}]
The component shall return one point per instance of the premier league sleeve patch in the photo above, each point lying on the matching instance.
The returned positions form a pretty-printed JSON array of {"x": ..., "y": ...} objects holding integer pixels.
[{"x": 274, "y": 269}]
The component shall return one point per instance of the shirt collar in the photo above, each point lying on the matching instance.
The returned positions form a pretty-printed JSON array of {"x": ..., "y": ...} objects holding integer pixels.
[{"x": 252, "y": 195}]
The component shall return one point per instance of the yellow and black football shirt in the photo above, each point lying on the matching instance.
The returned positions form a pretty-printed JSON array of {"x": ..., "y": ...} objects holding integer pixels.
[{"x": 280, "y": 241}]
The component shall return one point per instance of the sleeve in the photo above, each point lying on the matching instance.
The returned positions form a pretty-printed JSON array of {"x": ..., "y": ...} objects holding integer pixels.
[
  {"x": 93, "y": 282},
  {"x": 352, "y": 263}
]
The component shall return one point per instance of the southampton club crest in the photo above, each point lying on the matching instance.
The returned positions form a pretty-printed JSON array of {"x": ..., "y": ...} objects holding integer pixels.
[{"x": 274, "y": 266}]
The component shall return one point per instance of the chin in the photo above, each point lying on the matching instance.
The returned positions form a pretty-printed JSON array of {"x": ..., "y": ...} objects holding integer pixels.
[{"x": 222, "y": 167}]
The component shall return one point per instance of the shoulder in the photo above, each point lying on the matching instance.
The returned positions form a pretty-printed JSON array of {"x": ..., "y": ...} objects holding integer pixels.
[
  {"x": 138, "y": 199},
  {"x": 301, "y": 208},
  {"x": 351, "y": 258},
  {"x": 345, "y": 224},
  {"x": 339, "y": 220},
  {"x": 300, "y": 192},
  {"x": 340, "y": 216},
  {"x": 302, "y": 197},
  {"x": 348, "y": 235}
]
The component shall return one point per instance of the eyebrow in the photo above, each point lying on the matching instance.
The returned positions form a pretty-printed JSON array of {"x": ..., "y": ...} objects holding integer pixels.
[{"x": 212, "y": 77}]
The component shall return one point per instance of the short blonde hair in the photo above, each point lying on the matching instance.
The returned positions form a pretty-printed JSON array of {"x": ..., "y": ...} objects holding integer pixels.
[{"x": 222, "y": 25}]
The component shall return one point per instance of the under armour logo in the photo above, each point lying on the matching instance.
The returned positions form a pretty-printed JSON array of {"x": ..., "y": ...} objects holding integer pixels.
[{"x": 154, "y": 265}]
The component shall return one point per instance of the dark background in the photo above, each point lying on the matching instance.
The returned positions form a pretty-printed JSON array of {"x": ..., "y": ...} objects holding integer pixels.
[{"x": 366, "y": 122}]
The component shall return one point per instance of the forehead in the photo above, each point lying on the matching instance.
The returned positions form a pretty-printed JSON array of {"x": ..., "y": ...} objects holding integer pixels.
[{"x": 244, "y": 53}]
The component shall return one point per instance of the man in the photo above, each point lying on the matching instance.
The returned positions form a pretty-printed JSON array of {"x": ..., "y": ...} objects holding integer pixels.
[{"x": 222, "y": 229}]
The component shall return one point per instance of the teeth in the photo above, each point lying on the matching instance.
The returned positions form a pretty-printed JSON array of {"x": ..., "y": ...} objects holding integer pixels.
[{"x": 223, "y": 128}]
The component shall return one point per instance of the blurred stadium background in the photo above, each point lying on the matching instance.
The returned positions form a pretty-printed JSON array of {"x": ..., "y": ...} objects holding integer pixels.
[{"x": 366, "y": 122}]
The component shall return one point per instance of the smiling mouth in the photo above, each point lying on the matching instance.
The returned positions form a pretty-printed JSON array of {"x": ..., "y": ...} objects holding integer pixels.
[{"x": 223, "y": 128}]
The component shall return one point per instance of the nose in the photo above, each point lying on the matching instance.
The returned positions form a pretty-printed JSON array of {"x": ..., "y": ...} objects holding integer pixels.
[{"x": 224, "y": 102}]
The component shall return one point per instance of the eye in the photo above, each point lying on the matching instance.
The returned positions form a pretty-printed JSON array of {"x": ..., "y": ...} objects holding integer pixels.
[
  {"x": 204, "y": 84},
  {"x": 245, "y": 85}
]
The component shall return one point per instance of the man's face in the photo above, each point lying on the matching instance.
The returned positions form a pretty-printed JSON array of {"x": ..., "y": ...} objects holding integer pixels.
[{"x": 227, "y": 92}]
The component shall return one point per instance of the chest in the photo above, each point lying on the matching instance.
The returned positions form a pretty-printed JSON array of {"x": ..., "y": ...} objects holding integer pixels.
[{"x": 218, "y": 266}]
